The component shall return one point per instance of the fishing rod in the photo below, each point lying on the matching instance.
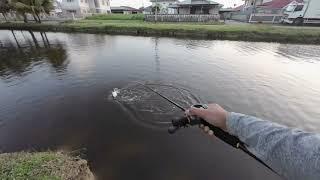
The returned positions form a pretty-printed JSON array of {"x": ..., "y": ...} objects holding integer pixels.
[
  {"x": 164, "y": 97},
  {"x": 187, "y": 121}
]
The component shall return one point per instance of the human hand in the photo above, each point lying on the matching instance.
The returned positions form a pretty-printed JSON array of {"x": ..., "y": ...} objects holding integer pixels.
[{"x": 214, "y": 115}]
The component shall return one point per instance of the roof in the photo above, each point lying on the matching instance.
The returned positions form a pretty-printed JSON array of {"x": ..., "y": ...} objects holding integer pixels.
[
  {"x": 227, "y": 10},
  {"x": 147, "y": 9},
  {"x": 123, "y": 8},
  {"x": 164, "y": 0},
  {"x": 197, "y": 2},
  {"x": 279, "y": 4},
  {"x": 239, "y": 8}
]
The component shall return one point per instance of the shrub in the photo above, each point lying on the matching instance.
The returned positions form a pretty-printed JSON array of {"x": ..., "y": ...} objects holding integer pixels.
[{"x": 117, "y": 17}]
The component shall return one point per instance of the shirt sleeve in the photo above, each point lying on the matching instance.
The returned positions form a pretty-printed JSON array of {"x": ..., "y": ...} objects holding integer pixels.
[{"x": 292, "y": 153}]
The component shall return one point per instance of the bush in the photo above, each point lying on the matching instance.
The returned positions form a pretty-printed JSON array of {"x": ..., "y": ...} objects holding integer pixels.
[
  {"x": 43, "y": 165},
  {"x": 117, "y": 17}
]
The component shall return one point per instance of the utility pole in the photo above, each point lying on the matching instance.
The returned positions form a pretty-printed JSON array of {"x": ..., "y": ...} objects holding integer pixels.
[
  {"x": 254, "y": 6},
  {"x": 156, "y": 13}
]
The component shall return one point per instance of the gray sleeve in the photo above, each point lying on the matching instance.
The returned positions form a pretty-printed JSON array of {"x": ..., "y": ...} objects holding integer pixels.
[{"x": 292, "y": 153}]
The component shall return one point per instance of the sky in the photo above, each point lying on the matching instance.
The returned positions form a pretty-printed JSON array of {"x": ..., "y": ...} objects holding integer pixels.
[{"x": 139, "y": 3}]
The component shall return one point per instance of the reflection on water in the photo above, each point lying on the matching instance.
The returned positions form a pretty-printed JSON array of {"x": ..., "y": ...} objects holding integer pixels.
[
  {"x": 293, "y": 52},
  {"x": 20, "y": 55},
  {"x": 54, "y": 94},
  {"x": 299, "y": 52}
]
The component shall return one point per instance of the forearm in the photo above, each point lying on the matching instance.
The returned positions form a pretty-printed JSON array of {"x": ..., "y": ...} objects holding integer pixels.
[{"x": 292, "y": 153}]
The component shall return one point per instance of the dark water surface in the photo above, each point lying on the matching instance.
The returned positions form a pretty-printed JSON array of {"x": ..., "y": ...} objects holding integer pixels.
[{"x": 54, "y": 92}]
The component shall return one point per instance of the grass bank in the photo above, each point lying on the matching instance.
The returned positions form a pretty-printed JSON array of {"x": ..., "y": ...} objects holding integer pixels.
[
  {"x": 43, "y": 165},
  {"x": 243, "y": 32}
]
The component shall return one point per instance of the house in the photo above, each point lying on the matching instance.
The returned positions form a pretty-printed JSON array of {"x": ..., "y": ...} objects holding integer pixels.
[
  {"x": 57, "y": 9},
  {"x": 83, "y": 7},
  {"x": 251, "y": 3},
  {"x": 225, "y": 13},
  {"x": 125, "y": 10},
  {"x": 275, "y": 6},
  {"x": 272, "y": 5},
  {"x": 147, "y": 10},
  {"x": 261, "y": 10},
  {"x": 189, "y": 11},
  {"x": 197, "y": 7},
  {"x": 163, "y": 6}
]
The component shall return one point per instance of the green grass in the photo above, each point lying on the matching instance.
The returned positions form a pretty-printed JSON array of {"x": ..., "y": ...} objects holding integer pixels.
[
  {"x": 257, "y": 28},
  {"x": 117, "y": 17},
  {"x": 41, "y": 165},
  {"x": 243, "y": 32}
]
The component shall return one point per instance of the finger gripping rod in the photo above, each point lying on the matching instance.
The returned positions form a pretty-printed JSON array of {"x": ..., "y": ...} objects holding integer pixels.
[
  {"x": 224, "y": 136},
  {"x": 219, "y": 133}
]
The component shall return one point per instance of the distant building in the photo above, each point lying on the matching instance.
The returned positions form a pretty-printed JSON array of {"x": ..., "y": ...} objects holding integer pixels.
[
  {"x": 197, "y": 7},
  {"x": 163, "y": 6},
  {"x": 261, "y": 10},
  {"x": 57, "y": 9},
  {"x": 147, "y": 10},
  {"x": 189, "y": 11},
  {"x": 225, "y": 13},
  {"x": 275, "y": 6},
  {"x": 125, "y": 10},
  {"x": 272, "y": 5},
  {"x": 82, "y": 7}
]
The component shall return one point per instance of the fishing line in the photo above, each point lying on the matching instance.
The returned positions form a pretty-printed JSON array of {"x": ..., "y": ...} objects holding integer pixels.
[
  {"x": 222, "y": 135},
  {"x": 148, "y": 109},
  {"x": 135, "y": 102}
]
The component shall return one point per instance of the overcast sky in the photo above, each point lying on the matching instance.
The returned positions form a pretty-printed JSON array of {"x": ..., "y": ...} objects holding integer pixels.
[{"x": 139, "y": 3}]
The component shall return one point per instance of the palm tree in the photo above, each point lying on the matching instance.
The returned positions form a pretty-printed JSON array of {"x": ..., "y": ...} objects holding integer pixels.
[
  {"x": 4, "y": 8},
  {"x": 40, "y": 6},
  {"x": 22, "y": 8},
  {"x": 34, "y": 7}
]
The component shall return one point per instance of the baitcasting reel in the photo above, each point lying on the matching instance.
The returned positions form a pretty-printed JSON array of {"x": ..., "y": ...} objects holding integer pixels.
[
  {"x": 189, "y": 121},
  {"x": 186, "y": 121}
]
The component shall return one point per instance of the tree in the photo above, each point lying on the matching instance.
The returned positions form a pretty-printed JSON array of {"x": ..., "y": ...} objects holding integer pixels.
[
  {"x": 34, "y": 7},
  {"x": 22, "y": 8},
  {"x": 40, "y": 6},
  {"x": 4, "y": 8}
]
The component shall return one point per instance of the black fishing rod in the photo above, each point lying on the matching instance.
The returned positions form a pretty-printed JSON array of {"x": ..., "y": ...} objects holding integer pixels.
[
  {"x": 185, "y": 122},
  {"x": 164, "y": 97}
]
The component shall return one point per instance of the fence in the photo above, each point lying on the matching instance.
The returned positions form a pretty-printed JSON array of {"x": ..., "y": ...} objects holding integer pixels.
[
  {"x": 239, "y": 16},
  {"x": 265, "y": 18},
  {"x": 183, "y": 17}
]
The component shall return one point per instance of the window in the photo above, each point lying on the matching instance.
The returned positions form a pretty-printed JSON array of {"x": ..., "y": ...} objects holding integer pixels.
[
  {"x": 69, "y": 0},
  {"x": 298, "y": 8},
  {"x": 103, "y": 3},
  {"x": 290, "y": 8},
  {"x": 86, "y": 1},
  {"x": 82, "y": 1},
  {"x": 72, "y": 11}
]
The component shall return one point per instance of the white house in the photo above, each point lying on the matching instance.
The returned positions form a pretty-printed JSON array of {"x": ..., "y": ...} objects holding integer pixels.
[
  {"x": 82, "y": 7},
  {"x": 163, "y": 6},
  {"x": 197, "y": 7}
]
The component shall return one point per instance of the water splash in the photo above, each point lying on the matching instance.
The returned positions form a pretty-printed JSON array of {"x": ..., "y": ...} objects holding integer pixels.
[{"x": 147, "y": 108}]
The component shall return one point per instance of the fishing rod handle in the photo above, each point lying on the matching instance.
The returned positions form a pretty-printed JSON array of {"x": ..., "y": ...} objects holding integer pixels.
[
  {"x": 222, "y": 135},
  {"x": 218, "y": 132}
]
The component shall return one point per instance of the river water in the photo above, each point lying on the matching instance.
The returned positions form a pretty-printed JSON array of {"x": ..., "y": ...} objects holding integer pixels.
[{"x": 54, "y": 90}]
